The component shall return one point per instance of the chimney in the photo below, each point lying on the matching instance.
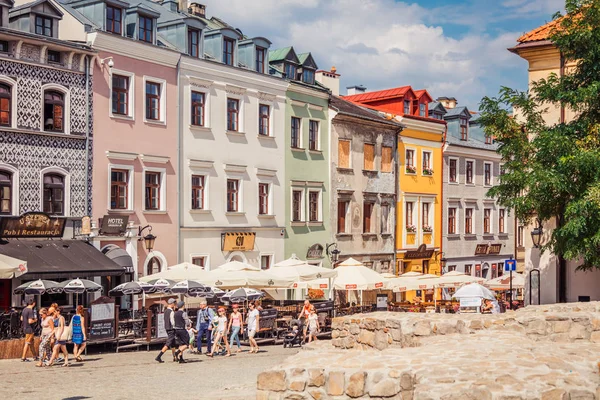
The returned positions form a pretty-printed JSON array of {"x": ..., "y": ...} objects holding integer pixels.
[
  {"x": 357, "y": 89},
  {"x": 447, "y": 102},
  {"x": 329, "y": 79},
  {"x": 172, "y": 5},
  {"x": 197, "y": 9}
]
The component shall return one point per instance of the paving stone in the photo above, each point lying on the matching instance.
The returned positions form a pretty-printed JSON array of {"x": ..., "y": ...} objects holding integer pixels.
[
  {"x": 272, "y": 381},
  {"x": 356, "y": 384},
  {"x": 316, "y": 377},
  {"x": 385, "y": 388},
  {"x": 335, "y": 383}
]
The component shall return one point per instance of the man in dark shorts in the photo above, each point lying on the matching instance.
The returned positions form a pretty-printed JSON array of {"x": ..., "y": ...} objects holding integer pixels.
[
  {"x": 169, "y": 320},
  {"x": 28, "y": 320},
  {"x": 183, "y": 338}
]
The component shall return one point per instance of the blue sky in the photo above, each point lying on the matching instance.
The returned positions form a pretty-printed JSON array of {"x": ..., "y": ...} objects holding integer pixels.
[{"x": 451, "y": 48}]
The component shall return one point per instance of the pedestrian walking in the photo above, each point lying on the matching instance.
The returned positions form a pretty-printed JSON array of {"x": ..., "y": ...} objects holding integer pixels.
[
  {"x": 221, "y": 333},
  {"x": 28, "y": 320},
  {"x": 235, "y": 325},
  {"x": 169, "y": 321},
  {"x": 46, "y": 336},
  {"x": 253, "y": 327},
  {"x": 313, "y": 325},
  {"x": 303, "y": 318},
  {"x": 204, "y": 327},
  {"x": 181, "y": 320},
  {"x": 79, "y": 333},
  {"x": 62, "y": 335}
]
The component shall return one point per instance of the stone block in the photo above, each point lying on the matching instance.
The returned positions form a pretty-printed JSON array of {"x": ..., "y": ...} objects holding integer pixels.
[
  {"x": 381, "y": 340},
  {"x": 348, "y": 342},
  {"x": 317, "y": 394},
  {"x": 337, "y": 323},
  {"x": 578, "y": 331},
  {"x": 368, "y": 323},
  {"x": 272, "y": 380},
  {"x": 356, "y": 385},
  {"x": 562, "y": 326},
  {"x": 560, "y": 338},
  {"x": 537, "y": 326},
  {"x": 596, "y": 324},
  {"x": 295, "y": 396},
  {"x": 297, "y": 385},
  {"x": 446, "y": 328},
  {"x": 262, "y": 395},
  {"x": 335, "y": 334},
  {"x": 578, "y": 394},
  {"x": 407, "y": 381},
  {"x": 396, "y": 335},
  {"x": 476, "y": 324},
  {"x": 335, "y": 383},
  {"x": 481, "y": 393},
  {"x": 354, "y": 329},
  {"x": 385, "y": 388},
  {"x": 422, "y": 328},
  {"x": 392, "y": 323},
  {"x": 407, "y": 395},
  {"x": 316, "y": 377},
  {"x": 367, "y": 337},
  {"x": 555, "y": 394}
]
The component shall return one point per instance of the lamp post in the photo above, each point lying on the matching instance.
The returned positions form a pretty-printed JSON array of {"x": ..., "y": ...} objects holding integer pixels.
[
  {"x": 536, "y": 238},
  {"x": 536, "y": 235},
  {"x": 332, "y": 254},
  {"x": 148, "y": 239}
]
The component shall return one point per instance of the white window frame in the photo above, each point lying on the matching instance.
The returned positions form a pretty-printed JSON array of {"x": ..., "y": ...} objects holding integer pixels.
[
  {"x": 207, "y": 103},
  {"x": 456, "y": 219},
  {"x": 206, "y": 257},
  {"x": 415, "y": 161},
  {"x": 301, "y": 133},
  {"x": 14, "y": 98},
  {"x": 319, "y": 148},
  {"x": 163, "y": 189},
  {"x": 385, "y": 229},
  {"x": 271, "y": 132},
  {"x": 67, "y": 194},
  {"x": 241, "y": 113},
  {"x": 491, "y": 164},
  {"x": 430, "y": 160},
  {"x": 271, "y": 257},
  {"x": 162, "y": 116},
  {"x": 491, "y": 232},
  {"x": 205, "y": 200},
  {"x": 431, "y": 216},
  {"x": 269, "y": 200},
  {"x": 130, "y": 187},
  {"x": 319, "y": 208},
  {"x": 504, "y": 230},
  {"x": 302, "y": 204},
  {"x": 15, "y": 187},
  {"x": 457, "y": 171},
  {"x": 347, "y": 226},
  {"x": 66, "y": 111},
  {"x": 240, "y": 195},
  {"x": 415, "y": 201},
  {"x": 473, "y": 224},
  {"x": 474, "y": 171},
  {"x": 130, "y": 94}
]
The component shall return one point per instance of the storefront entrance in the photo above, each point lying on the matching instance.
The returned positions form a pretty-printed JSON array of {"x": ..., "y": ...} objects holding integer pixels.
[{"x": 5, "y": 294}]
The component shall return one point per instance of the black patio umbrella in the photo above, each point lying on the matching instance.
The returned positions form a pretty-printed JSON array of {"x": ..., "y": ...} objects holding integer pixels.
[
  {"x": 132, "y": 288},
  {"x": 38, "y": 287},
  {"x": 162, "y": 285},
  {"x": 192, "y": 289},
  {"x": 79, "y": 286},
  {"x": 242, "y": 294}
]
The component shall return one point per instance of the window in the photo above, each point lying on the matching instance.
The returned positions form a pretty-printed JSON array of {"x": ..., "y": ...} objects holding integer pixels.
[
  {"x": 152, "y": 101},
  {"x": 53, "y": 57},
  {"x": 6, "y": 192},
  {"x": 290, "y": 71},
  {"x": 451, "y": 268},
  {"x": 232, "y": 195},
  {"x": 295, "y": 133},
  {"x": 410, "y": 162},
  {"x": 406, "y": 106},
  {"x": 54, "y": 194},
  {"x": 487, "y": 214},
  {"x": 386, "y": 159},
  {"x": 54, "y": 106},
  {"x": 452, "y": 170},
  {"x": 409, "y": 215},
  {"x": 43, "y": 26},
  {"x": 488, "y": 139},
  {"x": 343, "y": 206},
  {"x": 233, "y": 114},
  {"x": 367, "y": 217},
  {"x": 265, "y": 262},
  {"x": 501, "y": 221},
  {"x": 500, "y": 269},
  {"x": 145, "y": 29},
  {"x": 464, "y": 125},
  {"x": 369, "y": 155},
  {"x": 520, "y": 231},
  {"x": 263, "y": 198},
  {"x": 199, "y": 261},
  {"x": 153, "y": 266},
  {"x": 487, "y": 174},
  {"x": 198, "y": 192},
  {"x": 228, "y": 49},
  {"x": 260, "y": 59},
  {"x": 425, "y": 217},
  {"x": 296, "y": 205},
  {"x": 427, "y": 170},
  {"x": 313, "y": 135},
  {"x": 422, "y": 110},
  {"x": 469, "y": 269},
  {"x": 198, "y": 108},
  {"x": 152, "y": 191},
  {"x": 343, "y": 154},
  {"x": 426, "y": 266},
  {"x": 113, "y": 19},
  {"x": 264, "y": 116},
  {"x": 451, "y": 220},
  {"x": 313, "y": 206},
  {"x": 469, "y": 177},
  {"x": 119, "y": 182},
  {"x": 502, "y": 169},
  {"x": 468, "y": 221},
  {"x": 3, "y": 46},
  {"x": 5, "y": 105},
  {"x": 194, "y": 43},
  {"x": 120, "y": 94},
  {"x": 385, "y": 219},
  {"x": 478, "y": 271},
  {"x": 308, "y": 76}
]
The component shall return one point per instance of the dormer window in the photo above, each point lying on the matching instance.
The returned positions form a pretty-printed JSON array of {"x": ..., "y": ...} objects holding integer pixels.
[
  {"x": 3, "y": 46},
  {"x": 261, "y": 55},
  {"x": 145, "y": 29},
  {"x": 308, "y": 76},
  {"x": 43, "y": 26},
  {"x": 407, "y": 107},
  {"x": 194, "y": 43},
  {"x": 464, "y": 126},
  {"x": 228, "y": 49},
  {"x": 290, "y": 71},
  {"x": 422, "y": 110},
  {"x": 53, "y": 56},
  {"x": 114, "y": 20}
]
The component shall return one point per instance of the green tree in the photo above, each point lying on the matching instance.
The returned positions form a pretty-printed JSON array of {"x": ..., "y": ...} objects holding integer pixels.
[{"x": 552, "y": 171}]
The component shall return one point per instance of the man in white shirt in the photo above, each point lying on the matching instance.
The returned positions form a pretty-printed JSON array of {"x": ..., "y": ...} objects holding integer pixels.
[{"x": 253, "y": 327}]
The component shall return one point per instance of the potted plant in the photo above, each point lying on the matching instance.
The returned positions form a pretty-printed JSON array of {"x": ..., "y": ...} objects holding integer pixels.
[
  {"x": 410, "y": 169},
  {"x": 411, "y": 228},
  {"x": 427, "y": 229},
  {"x": 427, "y": 171}
]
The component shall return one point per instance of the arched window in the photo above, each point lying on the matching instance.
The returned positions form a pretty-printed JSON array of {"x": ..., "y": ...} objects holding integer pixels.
[
  {"x": 54, "y": 194},
  {"x": 153, "y": 266},
  {"x": 5, "y": 105},
  {"x": 6, "y": 192},
  {"x": 54, "y": 111}
]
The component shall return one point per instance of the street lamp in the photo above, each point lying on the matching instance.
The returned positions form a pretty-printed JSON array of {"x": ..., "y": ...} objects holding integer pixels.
[
  {"x": 536, "y": 234},
  {"x": 148, "y": 239},
  {"x": 332, "y": 254}
]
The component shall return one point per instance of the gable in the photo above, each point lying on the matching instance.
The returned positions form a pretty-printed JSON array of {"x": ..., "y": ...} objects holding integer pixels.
[
  {"x": 307, "y": 61},
  {"x": 47, "y": 8}
]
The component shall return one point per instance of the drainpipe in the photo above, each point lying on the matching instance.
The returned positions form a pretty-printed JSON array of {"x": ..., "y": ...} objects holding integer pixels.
[
  {"x": 179, "y": 164},
  {"x": 87, "y": 135},
  {"x": 397, "y": 198},
  {"x": 442, "y": 204},
  {"x": 562, "y": 263}
]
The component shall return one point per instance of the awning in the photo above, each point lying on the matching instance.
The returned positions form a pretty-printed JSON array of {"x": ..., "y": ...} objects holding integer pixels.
[
  {"x": 122, "y": 258},
  {"x": 60, "y": 258}
]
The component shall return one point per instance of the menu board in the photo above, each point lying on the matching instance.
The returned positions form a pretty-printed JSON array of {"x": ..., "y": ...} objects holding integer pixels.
[
  {"x": 102, "y": 319},
  {"x": 104, "y": 311},
  {"x": 161, "y": 332},
  {"x": 102, "y": 329}
]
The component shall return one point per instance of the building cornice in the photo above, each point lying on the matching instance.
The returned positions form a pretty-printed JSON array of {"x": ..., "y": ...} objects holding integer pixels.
[
  {"x": 133, "y": 48},
  {"x": 423, "y": 126},
  {"x": 472, "y": 152}
]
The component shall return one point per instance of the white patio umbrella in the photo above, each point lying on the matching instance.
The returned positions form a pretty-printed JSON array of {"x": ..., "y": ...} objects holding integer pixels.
[
  {"x": 314, "y": 284},
  {"x": 474, "y": 290},
  {"x": 178, "y": 273},
  {"x": 353, "y": 275},
  {"x": 235, "y": 276},
  {"x": 453, "y": 279},
  {"x": 299, "y": 270},
  {"x": 410, "y": 281},
  {"x": 237, "y": 266},
  {"x": 503, "y": 282},
  {"x": 11, "y": 267}
]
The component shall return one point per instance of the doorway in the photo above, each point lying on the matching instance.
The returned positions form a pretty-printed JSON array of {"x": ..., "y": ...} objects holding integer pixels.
[{"x": 5, "y": 294}]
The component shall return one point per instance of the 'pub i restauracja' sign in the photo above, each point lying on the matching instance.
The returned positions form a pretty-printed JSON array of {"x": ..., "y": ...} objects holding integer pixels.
[{"x": 32, "y": 225}]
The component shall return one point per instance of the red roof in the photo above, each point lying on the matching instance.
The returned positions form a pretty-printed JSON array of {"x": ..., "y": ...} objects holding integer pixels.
[
  {"x": 541, "y": 33},
  {"x": 379, "y": 95}
]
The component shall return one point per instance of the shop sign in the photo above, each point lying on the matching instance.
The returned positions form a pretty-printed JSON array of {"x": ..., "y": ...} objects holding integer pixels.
[
  {"x": 314, "y": 252},
  {"x": 481, "y": 249},
  {"x": 86, "y": 226},
  {"x": 32, "y": 225},
  {"x": 350, "y": 287},
  {"x": 495, "y": 248},
  {"x": 114, "y": 225},
  {"x": 378, "y": 285},
  {"x": 238, "y": 241},
  {"x": 421, "y": 252},
  {"x": 102, "y": 321}
]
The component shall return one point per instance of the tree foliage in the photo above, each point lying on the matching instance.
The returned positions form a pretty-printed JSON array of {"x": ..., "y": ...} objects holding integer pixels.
[{"x": 552, "y": 168}]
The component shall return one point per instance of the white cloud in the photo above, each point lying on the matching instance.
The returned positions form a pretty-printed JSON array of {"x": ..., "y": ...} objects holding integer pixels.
[{"x": 383, "y": 43}]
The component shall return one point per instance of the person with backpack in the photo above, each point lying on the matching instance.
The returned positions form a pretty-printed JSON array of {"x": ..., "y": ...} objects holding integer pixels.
[
  {"x": 181, "y": 335},
  {"x": 169, "y": 321},
  {"x": 204, "y": 326}
]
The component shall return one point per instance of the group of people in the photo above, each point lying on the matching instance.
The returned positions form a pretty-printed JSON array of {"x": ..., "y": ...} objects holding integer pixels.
[
  {"x": 215, "y": 327},
  {"x": 54, "y": 335}
]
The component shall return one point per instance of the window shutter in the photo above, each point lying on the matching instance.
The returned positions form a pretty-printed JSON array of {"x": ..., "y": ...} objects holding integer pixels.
[
  {"x": 386, "y": 159},
  {"x": 369, "y": 151},
  {"x": 344, "y": 154}
]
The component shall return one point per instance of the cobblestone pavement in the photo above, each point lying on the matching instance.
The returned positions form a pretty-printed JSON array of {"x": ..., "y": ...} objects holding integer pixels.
[{"x": 135, "y": 375}]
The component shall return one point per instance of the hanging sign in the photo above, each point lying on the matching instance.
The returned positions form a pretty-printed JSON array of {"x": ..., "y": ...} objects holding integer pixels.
[
  {"x": 421, "y": 252},
  {"x": 481, "y": 249},
  {"x": 495, "y": 248},
  {"x": 86, "y": 226},
  {"x": 32, "y": 225},
  {"x": 314, "y": 252},
  {"x": 238, "y": 241},
  {"x": 114, "y": 225}
]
